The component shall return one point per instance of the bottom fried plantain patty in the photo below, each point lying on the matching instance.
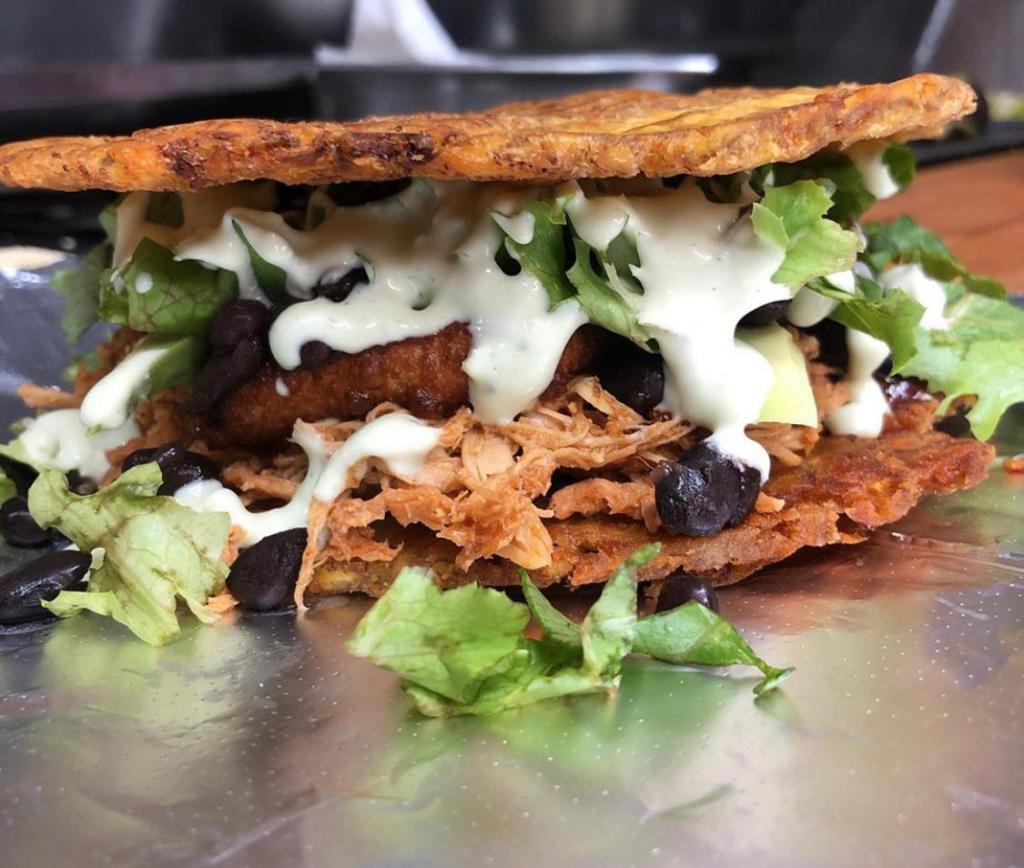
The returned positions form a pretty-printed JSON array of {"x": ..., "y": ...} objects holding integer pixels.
[{"x": 847, "y": 487}]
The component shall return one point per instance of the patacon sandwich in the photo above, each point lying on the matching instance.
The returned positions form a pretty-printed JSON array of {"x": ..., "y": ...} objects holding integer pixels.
[{"x": 535, "y": 337}]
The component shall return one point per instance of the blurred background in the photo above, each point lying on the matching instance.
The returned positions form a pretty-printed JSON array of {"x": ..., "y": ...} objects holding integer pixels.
[{"x": 81, "y": 66}]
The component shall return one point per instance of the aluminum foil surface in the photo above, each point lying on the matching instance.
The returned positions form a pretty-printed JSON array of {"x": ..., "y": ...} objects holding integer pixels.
[{"x": 898, "y": 741}]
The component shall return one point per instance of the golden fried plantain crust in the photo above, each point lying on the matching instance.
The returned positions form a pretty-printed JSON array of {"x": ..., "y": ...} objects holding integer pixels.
[
  {"x": 613, "y": 133},
  {"x": 847, "y": 487}
]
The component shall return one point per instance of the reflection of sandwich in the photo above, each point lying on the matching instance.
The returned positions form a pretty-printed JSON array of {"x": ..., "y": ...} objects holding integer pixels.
[{"x": 583, "y": 324}]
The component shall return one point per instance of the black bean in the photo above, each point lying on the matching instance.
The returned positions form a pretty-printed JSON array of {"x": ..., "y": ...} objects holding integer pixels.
[
  {"x": 682, "y": 588},
  {"x": 337, "y": 285},
  {"x": 832, "y": 349},
  {"x": 225, "y": 372},
  {"x": 20, "y": 474},
  {"x": 81, "y": 484},
  {"x": 190, "y": 468},
  {"x": 264, "y": 574},
  {"x": 633, "y": 376},
  {"x": 18, "y": 527},
  {"x": 955, "y": 425},
  {"x": 22, "y": 589},
  {"x": 165, "y": 456},
  {"x": 238, "y": 320},
  {"x": 315, "y": 354},
  {"x": 746, "y": 495},
  {"x": 764, "y": 315},
  {"x": 178, "y": 465},
  {"x": 703, "y": 492}
]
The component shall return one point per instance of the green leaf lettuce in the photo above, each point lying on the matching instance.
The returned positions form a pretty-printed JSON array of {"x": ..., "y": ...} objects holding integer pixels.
[
  {"x": 792, "y": 218},
  {"x": 155, "y": 292},
  {"x": 154, "y": 551}
]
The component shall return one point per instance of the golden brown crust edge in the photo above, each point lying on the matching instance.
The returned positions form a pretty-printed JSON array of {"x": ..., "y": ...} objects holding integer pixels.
[
  {"x": 614, "y": 133},
  {"x": 846, "y": 488}
]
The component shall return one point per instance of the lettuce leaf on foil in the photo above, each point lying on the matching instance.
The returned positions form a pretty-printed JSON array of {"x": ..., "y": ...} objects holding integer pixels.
[
  {"x": 153, "y": 552},
  {"x": 463, "y": 652}
]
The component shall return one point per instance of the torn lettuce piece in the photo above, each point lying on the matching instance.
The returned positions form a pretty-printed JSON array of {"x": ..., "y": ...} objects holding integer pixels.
[
  {"x": 270, "y": 278},
  {"x": 690, "y": 634},
  {"x": 981, "y": 353},
  {"x": 850, "y": 196},
  {"x": 155, "y": 292},
  {"x": 7, "y": 487},
  {"x": 694, "y": 634},
  {"x": 447, "y": 642},
  {"x": 536, "y": 671},
  {"x": 609, "y": 629},
  {"x": 904, "y": 241},
  {"x": 80, "y": 287},
  {"x": 605, "y": 295},
  {"x": 544, "y": 255},
  {"x": 892, "y": 316},
  {"x": 154, "y": 551},
  {"x": 901, "y": 163},
  {"x": 178, "y": 365},
  {"x": 463, "y": 652},
  {"x": 792, "y": 218}
]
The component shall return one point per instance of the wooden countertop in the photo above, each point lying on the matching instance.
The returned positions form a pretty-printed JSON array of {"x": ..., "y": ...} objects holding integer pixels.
[{"x": 977, "y": 207}]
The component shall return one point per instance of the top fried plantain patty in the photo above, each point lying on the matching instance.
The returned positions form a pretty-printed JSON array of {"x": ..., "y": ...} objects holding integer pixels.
[{"x": 602, "y": 134}]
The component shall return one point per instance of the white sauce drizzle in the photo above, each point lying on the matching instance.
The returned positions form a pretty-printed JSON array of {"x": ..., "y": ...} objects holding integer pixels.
[
  {"x": 59, "y": 439},
  {"x": 926, "y": 290},
  {"x": 864, "y": 414},
  {"x": 281, "y": 387},
  {"x": 430, "y": 255},
  {"x": 108, "y": 403},
  {"x": 809, "y": 308},
  {"x": 200, "y": 211},
  {"x": 867, "y": 157},
  {"x": 702, "y": 269},
  {"x": 401, "y": 441},
  {"x": 143, "y": 283}
]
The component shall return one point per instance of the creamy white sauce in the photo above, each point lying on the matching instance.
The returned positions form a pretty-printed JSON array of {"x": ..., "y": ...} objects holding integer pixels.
[
  {"x": 109, "y": 402},
  {"x": 702, "y": 269},
  {"x": 59, "y": 439},
  {"x": 430, "y": 255},
  {"x": 200, "y": 211},
  {"x": 143, "y": 283},
  {"x": 867, "y": 157},
  {"x": 926, "y": 290},
  {"x": 281, "y": 387},
  {"x": 809, "y": 308},
  {"x": 864, "y": 414},
  {"x": 401, "y": 441},
  {"x": 518, "y": 227}
]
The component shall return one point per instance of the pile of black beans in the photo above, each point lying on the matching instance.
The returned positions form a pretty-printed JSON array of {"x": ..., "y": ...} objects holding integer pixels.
[
  {"x": 25, "y": 587},
  {"x": 238, "y": 336}
]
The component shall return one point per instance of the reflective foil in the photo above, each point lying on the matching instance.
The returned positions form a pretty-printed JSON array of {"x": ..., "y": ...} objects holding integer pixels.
[{"x": 898, "y": 741}]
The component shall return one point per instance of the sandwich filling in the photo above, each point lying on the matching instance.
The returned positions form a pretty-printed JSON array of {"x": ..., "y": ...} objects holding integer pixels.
[{"x": 484, "y": 360}]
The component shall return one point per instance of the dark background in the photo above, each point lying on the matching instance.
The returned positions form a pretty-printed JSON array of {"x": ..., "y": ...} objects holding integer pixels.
[{"x": 113, "y": 65}]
